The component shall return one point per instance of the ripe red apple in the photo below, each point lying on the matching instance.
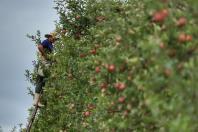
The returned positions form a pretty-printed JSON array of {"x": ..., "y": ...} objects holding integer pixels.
[
  {"x": 188, "y": 38},
  {"x": 182, "y": 38},
  {"x": 121, "y": 99},
  {"x": 165, "y": 12},
  {"x": 160, "y": 16},
  {"x": 93, "y": 51},
  {"x": 120, "y": 86},
  {"x": 97, "y": 69},
  {"x": 181, "y": 22},
  {"x": 87, "y": 113},
  {"x": 111, "y": 68}
]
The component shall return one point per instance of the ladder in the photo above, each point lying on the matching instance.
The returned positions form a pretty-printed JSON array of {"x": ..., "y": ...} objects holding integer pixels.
[{"x": 31, "y": 120}]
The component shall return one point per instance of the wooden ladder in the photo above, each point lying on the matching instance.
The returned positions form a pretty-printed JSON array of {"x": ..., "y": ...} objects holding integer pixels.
[{"x": 31, "y": 120}]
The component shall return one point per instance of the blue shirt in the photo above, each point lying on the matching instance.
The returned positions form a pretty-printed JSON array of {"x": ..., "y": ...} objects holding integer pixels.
[{"x": 47, "y": 45}]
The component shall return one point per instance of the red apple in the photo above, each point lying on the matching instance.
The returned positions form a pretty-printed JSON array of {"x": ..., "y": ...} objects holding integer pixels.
[
  {"x": 121, "y": 99},
  {"x": 160, "y": 16},
  {"x": 164, "y": 12},
  {"x": 97, "y": 69},
  {"x": 122, "y": 86},
  {"x": 188, "y": 38},
  {"x": 111, "y": 68},
  {"x": 182, "y": 38},
  {"x": 87, "y": 113},
  {"x": 181, "y": 22},
  {"x": 93, "y": 51}
]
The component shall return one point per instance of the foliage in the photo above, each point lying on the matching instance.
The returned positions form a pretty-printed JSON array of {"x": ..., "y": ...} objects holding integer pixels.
[{"x": 123, "y": 66}]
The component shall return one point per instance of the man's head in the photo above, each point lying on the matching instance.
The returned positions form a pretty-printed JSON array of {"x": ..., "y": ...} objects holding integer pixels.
[{"x": 51, "y": 37}]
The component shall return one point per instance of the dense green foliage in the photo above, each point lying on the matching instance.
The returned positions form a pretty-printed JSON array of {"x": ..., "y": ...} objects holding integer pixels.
[{"x": 123, "y": 66}]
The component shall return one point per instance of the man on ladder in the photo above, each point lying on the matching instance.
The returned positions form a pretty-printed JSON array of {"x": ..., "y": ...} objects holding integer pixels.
[{"x": 45, "y": 48}]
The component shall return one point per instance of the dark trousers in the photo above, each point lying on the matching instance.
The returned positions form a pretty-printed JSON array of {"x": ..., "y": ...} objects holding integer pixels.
[{"x": 40, "y": 83}]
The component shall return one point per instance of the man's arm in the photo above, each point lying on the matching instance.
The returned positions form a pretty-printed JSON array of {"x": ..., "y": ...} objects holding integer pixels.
[{"x": 41, "y": 50}]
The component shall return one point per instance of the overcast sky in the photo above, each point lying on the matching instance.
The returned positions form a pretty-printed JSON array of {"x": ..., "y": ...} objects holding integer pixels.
[{"x": 17, "y": 18}]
